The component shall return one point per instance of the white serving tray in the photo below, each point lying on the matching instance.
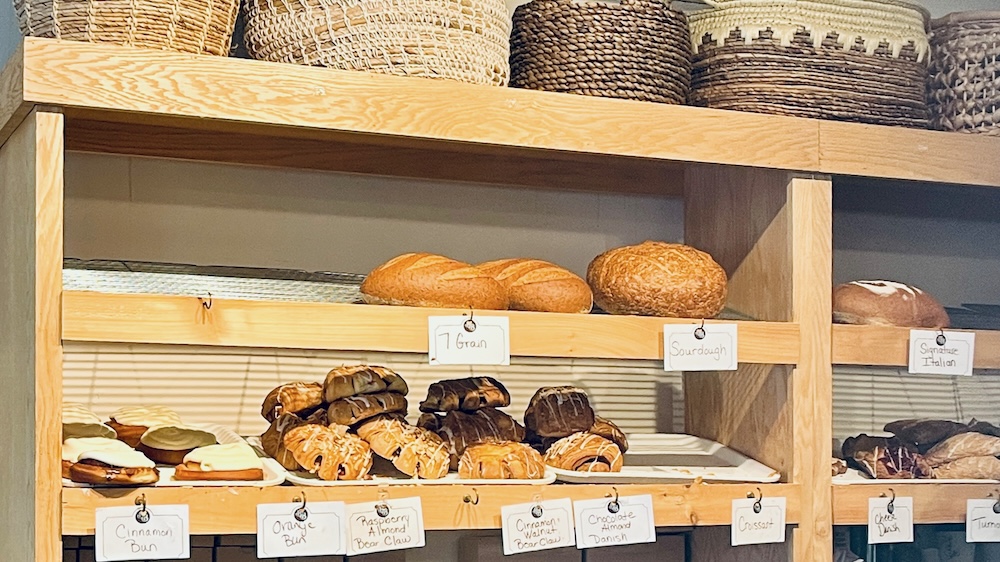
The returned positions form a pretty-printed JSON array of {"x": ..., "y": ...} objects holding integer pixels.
[
  {"x": 855, "y": 477},
  {"x": 663, "y": 458}
]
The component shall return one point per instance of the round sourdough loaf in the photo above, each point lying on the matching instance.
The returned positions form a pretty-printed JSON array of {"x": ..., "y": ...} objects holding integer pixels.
[
  {"x": 887, "y": 303},
  {"x": 420, "y": 279},
  {"x": 540, "y": 286},
  {"x": 658, "y": 279}
]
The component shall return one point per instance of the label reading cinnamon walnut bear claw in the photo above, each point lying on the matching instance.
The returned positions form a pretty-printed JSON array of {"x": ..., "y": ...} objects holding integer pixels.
[
  {"x": 289, "y": 529},
  {"x": 941, "y": 353},
  {"x": 156, "y": 532},
  {"x": 384, "y": 525},
  {"x": 459, "y": 340},
  {"x": 542, "y": 525},
  {"x": 755, "y": 523},
  {"x": 693, "y": 347}
]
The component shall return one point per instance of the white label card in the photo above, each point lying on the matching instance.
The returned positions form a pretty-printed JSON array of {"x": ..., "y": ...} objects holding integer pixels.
[
  {"x": 606, "y": 522},
  {"x": 370, "y": 528},
  {"x": 527, "y": 527},
  {"x": 459, "y": 340},
  {"x": 885, "y": 527},
  {"x": 684, "y": 350},
  {"x": 751, "y": 526},
  {"x": 982, "y": 523},
  {"x": 929, "y": 357},
  {"x": 288, "y": 529},
  {"x": 165, "y": 535}
]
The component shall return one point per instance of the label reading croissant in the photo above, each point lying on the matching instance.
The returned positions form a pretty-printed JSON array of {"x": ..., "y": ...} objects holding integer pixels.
[
  {"x": 758, "y": 523},
  {"x": 614, "y": 522},
  {"x": 941, "y": 353},
  {"x": 890, "y": 524},
  {"x": 156, "y": 532},
  {"x": 291, "y": 529},
  {"x": 982, "y": 522},
  {"x": 693, "y": 347},
  {"x": 528, "y": 527},
  {"x": 384, "y": 525},
  {"x": 459, "y": 340}
]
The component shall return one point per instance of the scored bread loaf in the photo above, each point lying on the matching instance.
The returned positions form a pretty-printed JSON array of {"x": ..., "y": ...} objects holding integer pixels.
[
  {"x": 421, "y": 279},
  {"x": 540, "y": 286},
  {"x": 887, "y": 303}
]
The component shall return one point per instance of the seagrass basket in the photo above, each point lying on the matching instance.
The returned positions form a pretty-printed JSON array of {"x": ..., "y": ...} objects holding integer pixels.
[
  {"x": 638, "y": 49},
  {"x": 187, "y": 26},
  {"x": 848, "y": 60},
  {"x": 964, "y": 87},
  {"x": 466, "y": 40}
]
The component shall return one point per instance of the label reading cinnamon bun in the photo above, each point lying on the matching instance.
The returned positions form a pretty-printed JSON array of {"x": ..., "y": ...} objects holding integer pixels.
[
  {"x": 528, "y": 527},
  {"x": 455, "y": 340},
  {"x": 162, "y": 534},
  {"x": 614, "y": 522},
  {"x": 288, "y": 529},
  {"x": 692, "y": 347},
  {"x": 384, "y": 525},
  {"x": 758, "y": 523}
]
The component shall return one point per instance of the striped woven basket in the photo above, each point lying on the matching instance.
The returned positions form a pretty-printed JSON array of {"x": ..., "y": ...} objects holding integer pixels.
[
  {"x": 466, "y": 40},
  {"x": 964, "y": 87},
  {"x": 849, "y": 60},
  {"x": 187, "y": 26}
]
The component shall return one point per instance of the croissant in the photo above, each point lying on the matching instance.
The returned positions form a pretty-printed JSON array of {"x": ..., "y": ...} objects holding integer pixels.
[
  {"x": 465, "y": 394},
  {"x": 505, "y": 460},
  {"x": 329, "y": 452},
  {"x": 585, "y": 452}
]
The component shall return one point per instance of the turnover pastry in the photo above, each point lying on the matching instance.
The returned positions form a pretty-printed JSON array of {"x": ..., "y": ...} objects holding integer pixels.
[
  {"x": 108, "y": 462},
  {"x": 414, "y": 451},
  {"x": 585, "y": 452},
  {"x": 362, "y": 379},
  {"x": 233, "y": 461},
  {"x": 504, "y": 460},
  {"x": 353, "y": 409},
  {"x": 962, "y": 446},
  {"x": 330, "y": 452},
  {"x": 79, "y": 421},
  {"x": 169, "y": 444},
  {"x": 986, "y": 468},
  {"x": 465, "y": 394},
  {"x": 293, "y": 398},
  {"x": 131, "y": 422},
  {"x": 461, "y": 429},
  {"x": 558, "y": 411},
  {"x": 273, "y": 440}
]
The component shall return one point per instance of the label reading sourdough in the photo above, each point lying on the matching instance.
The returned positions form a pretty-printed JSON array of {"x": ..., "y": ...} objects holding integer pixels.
[
  {"x": 887, "y": 525},
  {"x": 384, "y": 525},
  {"x": 459, "y": 340},
  {"x": 714, "y": 350},
  {"x": 941, "y": 353},
  {"x": 160, "y": 532},
  {"x": 982, "y": 522},
  {"x": 288, "y": 529},
  {"x": 611, "y": 522},
  {"x": 528, "y": 527},
  {"x": 753, "y": 526}
]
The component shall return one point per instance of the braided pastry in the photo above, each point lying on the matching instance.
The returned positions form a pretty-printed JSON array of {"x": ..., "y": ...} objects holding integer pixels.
[
  {"x": 504, "y": 460},
  {"x": 329, "y": 452},
  {"x": 585, "y": 452},
  {"x": 413, "y": 450}
]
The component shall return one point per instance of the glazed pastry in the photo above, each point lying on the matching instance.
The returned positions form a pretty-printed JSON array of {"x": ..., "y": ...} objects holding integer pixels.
[
  {"x": 343, "y": 382},
  {"x": 610, "y": 431},
  {"x": 273, "y": 440},
  {"x": 351, "y": 410},
  {"x": 987, "y": 468},
  {"x": 962, "y": 446},
  {"x": 73, "y": 447},
  {"x": 925, "y": 433},
  {"x": 558, "y": 411},
  {"x": 893, "y": 462},
  {"x": 585, "y": 452},
  {"x": 169, "y": 444},
  {"x": 329, "y": 451},
  {"x": 838, "y": 467},
  {"x": 78, "y": 421},
  {"x": 461, "y": 429},
  {"x": 414, "y": 451},
  {"x": 107, "y": 463},
  {"x": 130, "y": 423},
  {"x": 465, "y": 394},
  {"x": 234, "y": 461},
  {"x": 293, "y": 398},
  {"x": 504, "y": 460}
]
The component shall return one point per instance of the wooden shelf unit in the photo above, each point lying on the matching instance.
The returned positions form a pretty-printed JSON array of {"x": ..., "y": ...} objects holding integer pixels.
[
  {"x": 933, "y": 502},
  {"x": 889, "y": 346}
]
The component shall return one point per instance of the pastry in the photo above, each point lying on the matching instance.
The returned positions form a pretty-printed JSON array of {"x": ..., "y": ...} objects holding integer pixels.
[
  {"x": 892, "y": 462},
  {"x": 79, "y": 421},
  {"x": 504, "y": 460},
  {"x": 610, "y": 431},
  {"x": 330, "y": 452},
  {"x": 351, "y": 410},
  {"x": 961, "y": 446},
  {"x": 233, "y": 461},
  {"x": 558, "y": 411},
  {"x": 73, "y": 447},
  {"x": 422, "y": 279},
  {"x": 838, "y": 467},
  {"x": 887, "y": 303},
  {"x": 540, "y": 286},
  {"x": 169, "y": 444},
  {"x": 273, "y": 440},
  {"x": 415, "y": 451},
  {"x": 107, "y": 462},
  {"x": 343, "y": 382},
  {"x": 294, "y": 398},
  {"x": 585, "y": 452},
  {"x": 461, "y": 429},
  {"x": 925, "y": 433},
  {"x": 130, "y": 423},
  {"x": 658, "y": 279},
  {"x": 465, "y": 394},
  {"x": 987, "y": 468}
]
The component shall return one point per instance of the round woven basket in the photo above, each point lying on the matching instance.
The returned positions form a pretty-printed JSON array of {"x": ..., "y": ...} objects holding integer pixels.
[
  {"x": 964, "y": 87},
  {"x": 466, "y": 40},
  {"x": 848, "y": 60},
  {"x": 638, "y": 49},
  {"x": 187, "y": 26}
]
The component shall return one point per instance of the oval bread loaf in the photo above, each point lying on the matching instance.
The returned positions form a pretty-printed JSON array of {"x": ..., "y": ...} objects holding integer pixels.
[
  {"x": 421, "y": 279},
  {"x": 887, "y": 303},
  {"x": 540, "y": 286}
]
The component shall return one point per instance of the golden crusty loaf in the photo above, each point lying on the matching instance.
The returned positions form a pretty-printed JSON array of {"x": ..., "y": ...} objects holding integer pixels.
[
  {"x": 887, "y": 303},
  {"x": 658, "y": 279},
  {"x": 421, "y": 279},
  {"x": 540, "y": 286}
]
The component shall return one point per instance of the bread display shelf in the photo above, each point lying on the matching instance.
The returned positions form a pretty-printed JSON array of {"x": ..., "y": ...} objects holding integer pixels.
[
  {"x": 889, "y": 346},
  {"x": 233, "y": 510},
  {"x": 933, "y": 502},
  {"x": 158, "y": 319}
]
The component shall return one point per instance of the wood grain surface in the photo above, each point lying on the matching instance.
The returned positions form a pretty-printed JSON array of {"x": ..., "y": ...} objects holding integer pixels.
[
  {"x": 13, "y": 108},
  {"x": 889, "y": 346},
  {"x": 933, "y": 502}
]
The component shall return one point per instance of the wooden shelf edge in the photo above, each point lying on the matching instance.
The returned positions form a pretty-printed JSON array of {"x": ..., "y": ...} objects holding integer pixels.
[
  {"x": 933, "y": 502},
  {"x": 178, "y": 320},
  {"x": 233, "y": 510},
  {"x": 887, "y": 346}
]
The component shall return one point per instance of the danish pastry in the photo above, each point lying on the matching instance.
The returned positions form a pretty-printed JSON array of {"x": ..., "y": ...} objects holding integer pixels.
[
  {"x": 465, "y": 394},
  {"x": 329, "y": 452},
  {"x": 353, "y": 409},
  {"x": 585, "y": 452},
  {"x": 343, "y": 382},
  {"x": 412, "y": 450},
  {"x": 293, "y": 398},
  {"x": 558, "y": 411},
  {"x": 504, "y": 460}
]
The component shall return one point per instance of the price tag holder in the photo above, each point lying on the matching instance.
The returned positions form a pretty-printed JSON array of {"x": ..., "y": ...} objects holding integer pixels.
[
  {"x": 940, "y": 353},
  {"x": 300, "y": 529},
  {"x": 890, "y": 520},
  {"x": 982, "y": 521},
  {"x": 705, "y": 347},
  {"x": 468, "y": 340},
  {"x": 614, "y": 521},
  {"x": 384, "y": 525},
  {"x": 542, "y": 525},
  {"x": 161, "y": 532},
  {"x": 758, "y": 521}
]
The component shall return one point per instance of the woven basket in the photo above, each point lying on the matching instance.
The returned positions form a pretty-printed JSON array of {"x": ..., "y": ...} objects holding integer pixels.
[
  {"x": 964, "y": 87},
  {"x": 638, "y": 49},
  {"x": 187, "y": 26},
  {"x": 848, "y": 60},
  {"x": 465, "y": 40}
]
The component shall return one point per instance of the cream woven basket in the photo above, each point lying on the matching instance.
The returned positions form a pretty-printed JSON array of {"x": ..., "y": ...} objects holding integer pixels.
[
  {"x": 187, "y": 26},
  {"x": 964, "y": 87},
  {"x": 466, "y": 40}
]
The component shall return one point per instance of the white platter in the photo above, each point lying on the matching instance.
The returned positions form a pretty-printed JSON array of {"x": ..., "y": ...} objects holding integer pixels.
[{"x": 854, "y": 477}]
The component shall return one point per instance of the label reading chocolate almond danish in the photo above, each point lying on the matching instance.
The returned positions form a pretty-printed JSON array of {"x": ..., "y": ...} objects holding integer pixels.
[
  {"x": 461, "y": 340},
  {"x": 384, "y": 525},
  {"x": 614, "y": 521},
  {"x": 696, "y": 347}
]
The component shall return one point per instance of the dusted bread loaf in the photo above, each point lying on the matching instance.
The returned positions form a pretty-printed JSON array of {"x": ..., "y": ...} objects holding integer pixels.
[
  {"x": 658, "y": 279},
  {"x": 434, "y": 281},
  {"x": 887, "y": 303},
  {"x": 540, "y": 286}
]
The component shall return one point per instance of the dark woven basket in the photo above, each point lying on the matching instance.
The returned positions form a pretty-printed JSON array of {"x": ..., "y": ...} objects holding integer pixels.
[
  {"x": 964, "y": 87},
  {"x": 638, "y": 50}
]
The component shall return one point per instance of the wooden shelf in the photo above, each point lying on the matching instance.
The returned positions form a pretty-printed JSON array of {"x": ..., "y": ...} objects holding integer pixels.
[
  {"x": 933, "y": 502},
  {"x": 233, "y": 511},
  {"x": 158, "y": 319},
  {"x": 889, "y": 346}
]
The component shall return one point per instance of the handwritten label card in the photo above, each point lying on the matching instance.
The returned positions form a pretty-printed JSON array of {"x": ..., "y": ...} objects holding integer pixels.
[
  {"x": 885, "y": 527},
  {"x": 372, "y": 529},
  {"x": 457, "y": 340},
  {"x": 684, "y": 351},
  {"x": 606, "y": 522},
  {"x": 928, "y": 357},
  {"x": 982, "y": 524},
  {"x": 528, "y": 527},
  {"x": 284, "y": 530},
  {"x": 119, "y": 535},
  {"x": 753, "y": 527}
]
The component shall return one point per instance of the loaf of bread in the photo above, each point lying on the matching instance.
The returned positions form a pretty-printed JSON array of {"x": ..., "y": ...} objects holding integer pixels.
[
  {"x": 887, "y": 303},
  {"x": 558, "y": 411},
  {"x": 658, "y": 279},
  {"x": 429, "y": 280},
  {"x": 540, "y": 286},
  {"x": 925, "y": 433},
  {"x": 467, "y": 394}
]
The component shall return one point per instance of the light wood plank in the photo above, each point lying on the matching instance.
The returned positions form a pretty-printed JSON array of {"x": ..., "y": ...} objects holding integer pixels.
[
  {"x": 13, "y": 108},
  {"x": 889, "y": 346},
  {"x": 933, "y": 502},
  {"x": 183, "y": 320}
]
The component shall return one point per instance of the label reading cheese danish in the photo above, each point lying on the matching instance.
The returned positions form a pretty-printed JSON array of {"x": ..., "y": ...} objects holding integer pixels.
[
  {"x": 941, "y": 353},
  {"x": 542, "y": 525},
  {"x": 890, "y": 520},
  {"x": 156, "y": 532},
  {"x": 289, "y": 529},
  {"x": 614, "y": 521},
  {"x": 758, "y": 523},
  {"x": 461, "y": 340},
  {"x": 696, "y": 347},
  {"x": 384, "y": 525}
]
